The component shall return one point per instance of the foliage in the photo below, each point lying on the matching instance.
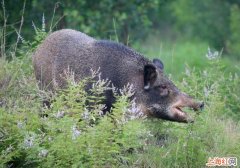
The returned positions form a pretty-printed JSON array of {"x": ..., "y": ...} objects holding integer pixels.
[
  {"x": 218, "y": 24},
  {"x": 131, "y": 18},
  {"x": 74, "y": 133},
  {"x": 234, "y": 41},
  {"x": 131, "y": 21},
  {"x": 39, "y": 36},
  {"x": 106, "y": 19}
]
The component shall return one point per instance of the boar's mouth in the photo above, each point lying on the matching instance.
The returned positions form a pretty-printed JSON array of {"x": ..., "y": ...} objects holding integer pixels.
[
  {"x": 185, "y": 101},
  {"x": 179, "y": 115}
]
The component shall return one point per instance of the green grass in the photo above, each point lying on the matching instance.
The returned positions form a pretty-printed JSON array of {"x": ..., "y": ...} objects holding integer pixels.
[
  {"x": 181, "y": 53},
  {"x": 138, "y": 143}
]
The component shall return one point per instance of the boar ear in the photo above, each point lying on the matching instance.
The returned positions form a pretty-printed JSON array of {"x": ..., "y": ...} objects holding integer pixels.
[
  {"x": 158, "y": 63},
  {"x": 150, "y": 75}
]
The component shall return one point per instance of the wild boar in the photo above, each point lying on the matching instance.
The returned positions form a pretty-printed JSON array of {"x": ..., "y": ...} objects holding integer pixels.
[{"x": 154, "y": 92}]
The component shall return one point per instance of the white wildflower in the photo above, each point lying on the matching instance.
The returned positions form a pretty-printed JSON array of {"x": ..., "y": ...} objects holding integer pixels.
[
  {"x": 43, "y": 153},
  {"x": 50, "y": 139},
  {"x": 90, "y": 150},
  {"x": 29, "y": 141},
  {"x": 134, "y": 112},
  {"x": 85, "y": 114},
  {"x": 187, "y": 71},
  {"x": 9, "y": 149},
  {"x": 149, "y": 134},
  {"x": 205, "y": 73},
  {"x": 127, "y": 90},
  {"x": 206, "y": 91},
  {"x": 100, "y": 112},
  {"x": 60, "y": 114},
  {"x": 20, "y": 124},
  {"x": 212, "y": 55},
  {"x": 100, "y": 108},
  {"x": 75, "y": 132},
  {"x": 69, "y": 75},
  {"x": 95, "y": 73},
  {"x": 43, "y": 23}
]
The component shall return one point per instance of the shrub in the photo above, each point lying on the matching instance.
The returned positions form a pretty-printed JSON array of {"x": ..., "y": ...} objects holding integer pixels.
[{"x": 75, "y": 131}]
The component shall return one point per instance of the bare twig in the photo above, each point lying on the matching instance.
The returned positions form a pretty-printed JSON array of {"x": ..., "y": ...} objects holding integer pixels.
[
  {"x": 3, "y": 38},
  {"x": 54, "y": 11},
  {"x": 58, "y": 21},
  {"x": 20, "y": 27},
  {"x": 115, "y": 30}
]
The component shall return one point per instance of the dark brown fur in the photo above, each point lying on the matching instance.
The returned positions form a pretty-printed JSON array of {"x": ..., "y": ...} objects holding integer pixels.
[{"x": 70, "y": 49}]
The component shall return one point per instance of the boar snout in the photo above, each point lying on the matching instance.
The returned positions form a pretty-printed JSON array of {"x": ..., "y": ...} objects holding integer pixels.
[{"x": 183, "y": 101}]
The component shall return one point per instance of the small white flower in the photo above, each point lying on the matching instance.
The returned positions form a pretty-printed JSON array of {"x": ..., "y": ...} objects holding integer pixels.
[
  {"x": 127, "y": 90},
  {"x": 134, "y": 112},
  {"x": 75, "y": 132},
  {"x": 100, "y": 113},
  {"x": 60, "y": 114},
  {"x": 90, "y": 151},
  {"x": 205, "y": 73},
  {"x": 187, "y": 71},
  {"x": 101, "y": 108},
  {"x": 212, "y": 55},
  {"x": 206, "y": 91},
  {"x": 43, "y": 23},
  {"x": 9, "y": 149},
  {"x": 85, "y": 114},
  {"x": 149, "y": 134},
  {"x": 20, "y": 124},
  {"x": 43, "y": 153},
  {"x": 29, "y": 141},
  {"x": 50, "y": 139}
]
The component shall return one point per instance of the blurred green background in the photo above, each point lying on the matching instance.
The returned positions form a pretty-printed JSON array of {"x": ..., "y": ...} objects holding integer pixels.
[{"x": 214, "y": 23}]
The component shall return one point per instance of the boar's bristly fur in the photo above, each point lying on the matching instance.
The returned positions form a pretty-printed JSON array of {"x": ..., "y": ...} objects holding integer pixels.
[{"x": 70, "y": 49}]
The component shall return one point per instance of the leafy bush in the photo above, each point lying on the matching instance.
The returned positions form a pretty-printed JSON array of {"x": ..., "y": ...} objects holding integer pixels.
[
  {"x": 210, "y": 26},
  {"x": 218, "y": 25},
  {"x": 106, "y": 19},
  {"x": 75, "y": 131}
]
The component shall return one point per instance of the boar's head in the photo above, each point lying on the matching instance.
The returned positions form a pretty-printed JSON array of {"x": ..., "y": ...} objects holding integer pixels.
[{"x": 162, "y": 99}]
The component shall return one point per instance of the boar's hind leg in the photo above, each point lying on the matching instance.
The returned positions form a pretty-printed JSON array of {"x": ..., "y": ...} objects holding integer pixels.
[{"x": 109, "y": 100}]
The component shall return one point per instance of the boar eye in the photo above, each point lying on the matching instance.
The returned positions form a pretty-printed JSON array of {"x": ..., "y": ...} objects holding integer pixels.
[
  {"x": 161, "y": 87},
  {"x": 163, "y": 90}
]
